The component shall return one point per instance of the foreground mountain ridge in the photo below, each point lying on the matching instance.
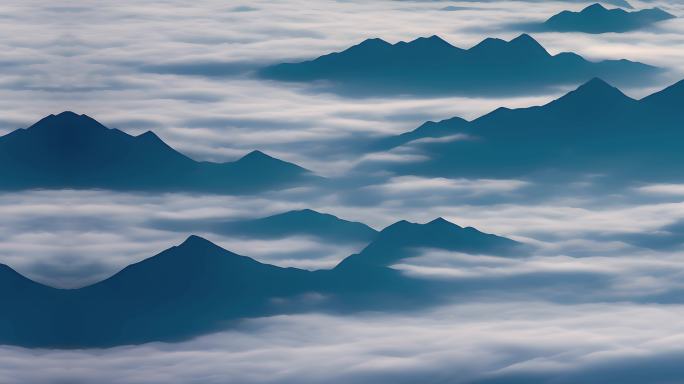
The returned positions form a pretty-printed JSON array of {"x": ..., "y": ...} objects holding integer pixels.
[{"x": 198, "y": 287}]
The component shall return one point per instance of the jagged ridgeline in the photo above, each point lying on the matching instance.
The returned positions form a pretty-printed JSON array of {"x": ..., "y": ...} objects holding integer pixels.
[
  {"x": 432, "y": 66},
  {"x": 75, "y": 151}
]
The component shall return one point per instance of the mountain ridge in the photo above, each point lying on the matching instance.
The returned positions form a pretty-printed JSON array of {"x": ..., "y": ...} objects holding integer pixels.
[
  {"x": 195, "y": 288},
  {"x": 76, "y": 151},
  {"x": 566, "y": 136},
  {"x": 597, "y": 19},
  {"x": 427, "y": 66}
]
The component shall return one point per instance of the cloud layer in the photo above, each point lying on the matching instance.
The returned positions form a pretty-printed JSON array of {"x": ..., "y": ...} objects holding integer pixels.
[{"x": 595, "y": 302}]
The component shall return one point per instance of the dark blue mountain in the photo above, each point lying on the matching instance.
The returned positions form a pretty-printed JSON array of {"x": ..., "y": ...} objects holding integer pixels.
[
  {"x": 75, "y": 151},
  {"x": 404, "y": 239},
  {"x": 198, "y": 287},
  {"x": 597, "y": 19},
  {"x": 305, "y": 222},
  {"x": 185, "y": 290},
  {"x": 433, "y": 66},
  {"x": 595, "y": 129}
]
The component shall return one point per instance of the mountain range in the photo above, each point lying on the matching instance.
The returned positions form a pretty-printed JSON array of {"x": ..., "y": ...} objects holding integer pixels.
[
  {"x": 305, "y": 222},
  {"x": 595, "y": 129},
  {"x": 75, "y": 151},
  {"x": 198, "y": 287},
  {"x": 432, "y": 66},
  {"x": 598, "y": 19}
]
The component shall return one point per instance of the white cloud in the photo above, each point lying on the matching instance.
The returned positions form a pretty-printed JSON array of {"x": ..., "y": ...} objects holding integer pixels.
[{"x": 459, "y": 343}]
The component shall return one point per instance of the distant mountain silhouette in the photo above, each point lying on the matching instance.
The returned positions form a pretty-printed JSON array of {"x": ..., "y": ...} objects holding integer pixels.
[
  {"x": 433, "y": 66},
  {"x": 198, "y": 287},
  {"x": 595, "y": 129},
  {"x": 597, "y": 19},
  {"x": 305, "y": 222},
  {"x": 75, "y": 151},
  {"x": 403, "y": 239}
]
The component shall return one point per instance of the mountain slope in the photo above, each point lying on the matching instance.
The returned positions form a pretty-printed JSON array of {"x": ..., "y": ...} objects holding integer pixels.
[
  {"x": 75, "y": 151},
  {"x": 433, "y": 66},
  {"x": 597, "y": 19}
]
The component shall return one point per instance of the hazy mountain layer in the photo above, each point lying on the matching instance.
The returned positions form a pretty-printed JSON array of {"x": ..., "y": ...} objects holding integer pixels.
[
  {"x": 595, "y": 129},
  {"x": 598, "y": 19},
  {"x": 75, "y": 151},
  {"x": 432, "y": 66}
]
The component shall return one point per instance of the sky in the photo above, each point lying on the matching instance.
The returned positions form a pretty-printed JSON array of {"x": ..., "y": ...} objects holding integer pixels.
[{"x": 184, "y": 69}]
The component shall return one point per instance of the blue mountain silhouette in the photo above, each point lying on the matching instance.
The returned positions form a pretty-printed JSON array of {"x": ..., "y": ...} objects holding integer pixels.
[
  {"x": 433, "y": 66},
  {"x": 597, "y": 19},
  {"x": 593, "y": 129},
  {"x": 404, "y": 239},
  {"x": 198, "y": 287},
  {"x": 75, "y": 151},
  {"x": 305, "y": 222}
]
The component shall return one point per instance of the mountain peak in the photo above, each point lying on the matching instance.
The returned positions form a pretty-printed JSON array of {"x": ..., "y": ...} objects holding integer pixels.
[
  {"x": 69, "y": 116},
  {"x": 432, "y": 41},
  {"x": 528, "y": 43},
  {"x": 307, "y": 211},
  {"x": 598, "y": 86},
  {"x": 520, "y": 47},
  {"x": 256, "y": 155},
  {"x": 257, "y": 161},
  {"x": 194, "y": 241},
  {"x": 68, "y": 121},
  {"x": 149, "y": 134},
  {"x": 151, "y": 137},
  {"x": 524, "y": 38},
  {"x": 65, "y": 116},
  {"x": 441, "y": 222},
  {"x": 374, "y": 42},
  {"x": 595, "y": 93},
  {"x": 596, "y": 7},
  {"x": 488, "y": 44}
]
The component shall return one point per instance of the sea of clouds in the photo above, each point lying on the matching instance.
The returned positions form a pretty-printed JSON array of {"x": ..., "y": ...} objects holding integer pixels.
[{"x": 597, "y": 301}]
